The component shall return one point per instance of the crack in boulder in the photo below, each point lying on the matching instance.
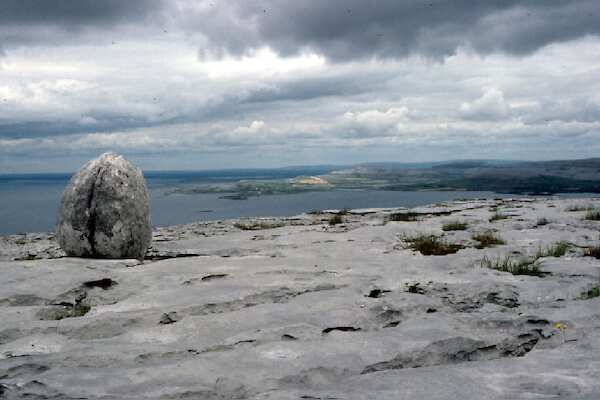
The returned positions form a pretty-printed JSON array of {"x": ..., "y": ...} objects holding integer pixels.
[{"x": 91, "y": 211}]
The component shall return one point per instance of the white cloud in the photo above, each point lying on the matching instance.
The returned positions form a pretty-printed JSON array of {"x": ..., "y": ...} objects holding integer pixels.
[
  {"x": 373, "y": 122},
  {"x": 155, "y": 97},
  {"x": 254, "y": 128},
  {"x": 490, "y": 105}
]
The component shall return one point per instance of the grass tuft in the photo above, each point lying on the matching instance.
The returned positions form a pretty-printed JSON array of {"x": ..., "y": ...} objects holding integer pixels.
[
  {"x": 542, "y": 221},
  {"x": 431, "y": 245},
  {"x": 336, "y": 219},
  {"x": 487, "y": 239},
  {"x": 408, "y": 216},
  {"x": 592, "y": 215},
  {"x": 515, "y": 267},
  {"x": 580, "y": 207},
  {"x": 498, "y": 216},
  {"x": 593, "y": 251},
  {"x": 257, "y": 225},
  {"x": 592, "y": 293},
  {"x": 455, "y": 226},
  {"x": 557, "y": 249}
]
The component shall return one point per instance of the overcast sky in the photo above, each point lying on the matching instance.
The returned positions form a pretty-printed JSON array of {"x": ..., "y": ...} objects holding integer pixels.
[{"x": 176, "y": 84}]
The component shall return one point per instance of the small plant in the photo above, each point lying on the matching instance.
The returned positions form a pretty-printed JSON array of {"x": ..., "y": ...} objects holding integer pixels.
[
  {"x": 497, "y": 216},
  {"x": 487, "y": 239},
  {"x": 455, "y": 226},
  {"x": 404, "y": 216},
  {"x": 542, "y": 221},
  {"x": 593, "y": 251},
  {"x": 515, "y": 267},
  {"x": 336, "y": 219},
  {"x": 257, "y": 225},
  {"x": 592, "y": 215},
  {"x": 557, "y": 249},
  {"x": 580, "y": 207},
  {"x": 431, "y": 245},
  {"x": 592, "y": 293},
  {"x": 562, "y": 328}
]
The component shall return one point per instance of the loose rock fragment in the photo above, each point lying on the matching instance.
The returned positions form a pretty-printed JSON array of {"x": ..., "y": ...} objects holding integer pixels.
[{"x": 169, "y": 318}]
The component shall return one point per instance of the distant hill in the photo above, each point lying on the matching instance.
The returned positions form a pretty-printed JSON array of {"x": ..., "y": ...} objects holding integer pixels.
[{"x": 524, "y": 177}]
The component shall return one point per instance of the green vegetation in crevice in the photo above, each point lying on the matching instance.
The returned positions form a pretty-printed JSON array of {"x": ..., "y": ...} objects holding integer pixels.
[
  {"x": 592, "y": 293},
  {"x": 257, "y": 225},
  {"x": 580, "y": 207},
  {"x": 529, "y": 267},
  {"x": 542, "y": 221},
  {"x": 592, "y": 215},
  {"x": 454, "y": 226},
  {"x": 557, "y": 249},
  {"x": 487, "y": 239},
  {"x": 336, "y": 219},
  {"x": 497, "y": 216},
  {"x": 408, "y": 216},
  {"x": 431, "y": 245},
  {"x": 593, "y": 251}
]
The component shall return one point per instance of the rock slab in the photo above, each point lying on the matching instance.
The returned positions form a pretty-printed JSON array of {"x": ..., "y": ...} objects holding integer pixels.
[{"x": 105, "y": 211}]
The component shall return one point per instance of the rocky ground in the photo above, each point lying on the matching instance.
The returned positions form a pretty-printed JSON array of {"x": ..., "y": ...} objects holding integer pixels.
[{"x": 296, "y": 308}]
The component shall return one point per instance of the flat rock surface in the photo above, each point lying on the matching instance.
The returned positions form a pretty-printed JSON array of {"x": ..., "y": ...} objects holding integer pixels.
[{"x": 295, "y": 308}]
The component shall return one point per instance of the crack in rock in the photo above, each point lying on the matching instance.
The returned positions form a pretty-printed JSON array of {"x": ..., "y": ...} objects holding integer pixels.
[
  {"x": 71, "y": 304},
  {"x": 104, "y": 283},
  {"x": 460, "y": 299},
  {"x": 77, "y": 302},
  {"x": 317, "y": 377},
  {"x": 24, "y": 370},
  {"x": 377, "y": 293},
  {"x": 213, "y": 276},
  {"x": 340, "y": 328},
  {"x": 23, "y": 300},
  {"x": 179, "y": 355},
  {"x": 457, "y": 350},
  {"x": 281, "y": 295}
]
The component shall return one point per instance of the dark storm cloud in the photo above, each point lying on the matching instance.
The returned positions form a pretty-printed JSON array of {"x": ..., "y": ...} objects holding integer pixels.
[
  {"x": 349, "y": 29},
  {"x": 339, "y": 29},
  {"x": 55, "y": 22},
  {"x": 74, "y": 12}
]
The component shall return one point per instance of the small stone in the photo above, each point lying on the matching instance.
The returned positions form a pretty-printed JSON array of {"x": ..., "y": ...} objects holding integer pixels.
[
  {"x": 169, "y": 318},
  {"x": 105, "y": 211}
]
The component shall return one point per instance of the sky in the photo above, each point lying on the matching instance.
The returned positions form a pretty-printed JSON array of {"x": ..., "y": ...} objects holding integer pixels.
[{"x": 178, "y": 84}]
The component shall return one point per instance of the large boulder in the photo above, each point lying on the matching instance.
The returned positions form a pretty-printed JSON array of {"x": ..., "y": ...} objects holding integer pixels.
[{"x": 105, "y": 211}]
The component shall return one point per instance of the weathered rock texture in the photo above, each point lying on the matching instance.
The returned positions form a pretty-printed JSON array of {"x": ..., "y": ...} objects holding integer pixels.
[
  {"x": 105, "y": 211},
  {"x": 306, "y": 310}
]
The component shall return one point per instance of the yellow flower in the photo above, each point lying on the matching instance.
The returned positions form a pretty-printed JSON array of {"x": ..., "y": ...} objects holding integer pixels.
[{"x": 562, "y": 327}]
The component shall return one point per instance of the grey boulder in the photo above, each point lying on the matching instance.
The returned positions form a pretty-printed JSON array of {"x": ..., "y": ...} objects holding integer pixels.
[{"x": 105, "y": 211}]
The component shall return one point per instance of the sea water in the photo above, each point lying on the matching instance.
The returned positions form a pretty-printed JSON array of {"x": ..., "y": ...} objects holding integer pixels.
[{"x": 29, "y": 202}]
